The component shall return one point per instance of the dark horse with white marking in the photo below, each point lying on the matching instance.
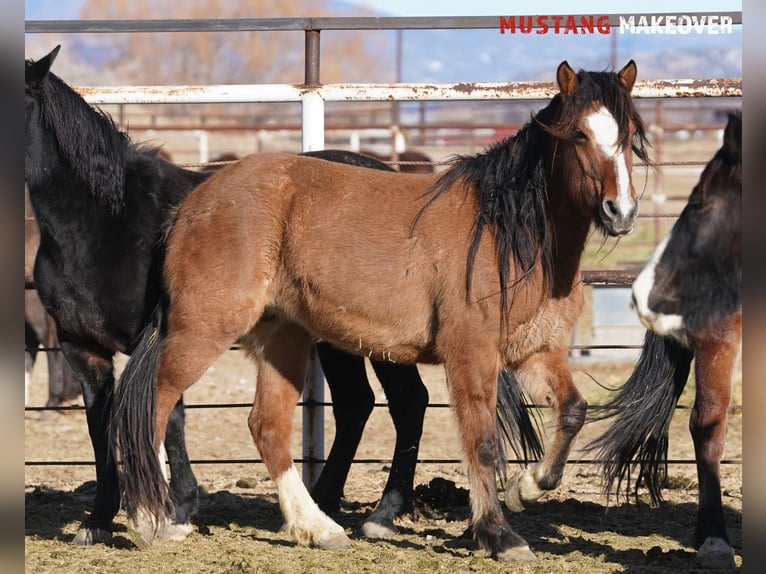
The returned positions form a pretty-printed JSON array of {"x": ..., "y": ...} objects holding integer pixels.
[
  {"x": 689, "y": 296},
  {"x": 477, "y": 269},
  {"x": 101, "y": 203}
]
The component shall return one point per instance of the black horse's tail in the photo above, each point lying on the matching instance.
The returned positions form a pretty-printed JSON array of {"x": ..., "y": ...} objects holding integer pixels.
[
  {"x": 641, "y": 413},
  {"x": 520, "y": 430},
  {"x": 133, "y": 427}
]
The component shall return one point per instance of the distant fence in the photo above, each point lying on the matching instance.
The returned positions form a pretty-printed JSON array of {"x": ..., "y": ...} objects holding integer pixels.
[{"x": 312, "y": 95}]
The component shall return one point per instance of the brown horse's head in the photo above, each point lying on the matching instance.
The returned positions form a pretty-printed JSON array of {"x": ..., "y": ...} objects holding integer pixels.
[{"x": 596, "y": 130}]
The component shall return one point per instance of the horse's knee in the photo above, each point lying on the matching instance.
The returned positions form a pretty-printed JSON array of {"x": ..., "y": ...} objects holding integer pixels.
[{"x": 573, "y": 413}]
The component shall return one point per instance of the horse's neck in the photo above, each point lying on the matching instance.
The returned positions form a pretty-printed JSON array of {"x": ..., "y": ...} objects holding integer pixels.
[{"x": 569, "y": 232}]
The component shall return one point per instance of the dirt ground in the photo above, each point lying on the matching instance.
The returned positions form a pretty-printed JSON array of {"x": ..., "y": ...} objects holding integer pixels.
[{"x": 237, "y": 527}]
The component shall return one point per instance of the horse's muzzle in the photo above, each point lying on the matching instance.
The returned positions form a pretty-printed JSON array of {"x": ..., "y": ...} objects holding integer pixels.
[{"x": 616, "y": 220}]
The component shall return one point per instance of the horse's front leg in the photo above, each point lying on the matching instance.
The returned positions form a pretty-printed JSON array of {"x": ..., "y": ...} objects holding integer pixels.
[
  {"x": 472, "y": 380},
  {"x": 281, "y": 373},
  {"x": 715, "y": 358},
  {"x": 547, "y": 378},
  {"x": 94, "y": 370}
]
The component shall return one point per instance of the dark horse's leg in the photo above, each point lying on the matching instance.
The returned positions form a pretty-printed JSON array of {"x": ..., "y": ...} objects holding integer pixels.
[
  {"x": 62, "y": 383},
  {"x": 547, "y": 378},
  {"x": 183, "y": 484},
  {"x": 715, "y": 356},
  {"x": 407, "y": 401},
  {"x": 353, "y": 402},
  {"x": 95, "y": 371},
  {"x": 30, "y": 354}
]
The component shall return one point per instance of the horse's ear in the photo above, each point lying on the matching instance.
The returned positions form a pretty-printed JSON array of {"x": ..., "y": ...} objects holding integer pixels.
[
  {"x": 732, "y": 137},
  {"x": 35, "y": 72},
  {"x": 566, "y": 78},
  {"x": 627, "y": 75}
]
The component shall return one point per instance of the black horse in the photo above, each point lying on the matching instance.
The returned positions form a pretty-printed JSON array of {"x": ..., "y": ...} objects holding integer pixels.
[
  {"x": 101, "y": 202},
  {"x": 689, "y": 296}
]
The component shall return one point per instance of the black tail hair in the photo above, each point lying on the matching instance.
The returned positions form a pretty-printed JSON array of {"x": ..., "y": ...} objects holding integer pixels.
[
  {"x": 642, "y": 410},
  {"x": 133, "y": 431},
  {"x": 520, "y": 430}
]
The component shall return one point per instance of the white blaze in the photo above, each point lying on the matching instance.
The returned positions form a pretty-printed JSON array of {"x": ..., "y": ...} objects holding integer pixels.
[{"x": 605, "y": 131}]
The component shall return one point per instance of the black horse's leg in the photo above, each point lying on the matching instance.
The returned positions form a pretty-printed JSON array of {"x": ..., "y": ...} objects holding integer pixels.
[
  {"x": 352, "y": 403},
  {"x": 183, "y": 484},
  {"x": 62, "y": 383},
  {"x": 31, "y": 341},
  {"x": 95, "y": 371},
  {"x": 407, "y": 401}
]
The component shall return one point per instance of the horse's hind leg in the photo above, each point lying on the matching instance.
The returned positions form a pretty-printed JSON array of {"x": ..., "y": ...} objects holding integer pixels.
[
  {"x": 183, "y": 484},
  {"x": 407, "y": 401},
  {"x": 352, "y": 403},
  {"x": 281, "y": 373},
  {"x": 196, "y": 337},
  {"x": 715, "y": 360},
  {"x": 547, "y": 378},
  {"x": 473, "y": 390}
]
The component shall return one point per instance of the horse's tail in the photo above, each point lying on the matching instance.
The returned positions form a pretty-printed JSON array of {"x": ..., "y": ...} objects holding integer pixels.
[
  {"x": 133, "y": 427},
  {"x": 520, "y": 430},
  {"x": 641, "y": 413}
]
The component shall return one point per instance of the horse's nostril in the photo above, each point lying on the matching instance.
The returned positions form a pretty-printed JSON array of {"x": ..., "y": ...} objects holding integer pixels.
[
  {"x": 633, "y": 304},
  {"x": 610, "y": 208}
]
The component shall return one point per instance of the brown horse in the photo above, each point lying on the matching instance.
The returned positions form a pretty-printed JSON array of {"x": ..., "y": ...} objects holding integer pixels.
[
  {"x": 689, "y": 296},
  {"x": 477, "y": 269}
]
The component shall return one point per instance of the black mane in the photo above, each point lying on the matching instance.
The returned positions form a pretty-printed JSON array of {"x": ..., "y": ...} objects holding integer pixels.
[
  {"x": 88, "y": 140},
  {"x": 510, "y": 179}
]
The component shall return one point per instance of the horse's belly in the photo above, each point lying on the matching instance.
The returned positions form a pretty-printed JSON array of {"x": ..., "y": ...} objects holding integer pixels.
[{"x": 361, "y": 317}]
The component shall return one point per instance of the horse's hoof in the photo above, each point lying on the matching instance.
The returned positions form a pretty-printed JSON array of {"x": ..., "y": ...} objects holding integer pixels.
[
  {"x": 716, "y": 553},
  {"x": 517, "y": 554},
  {"x": 521, "y": 492},
  {"x": 91, "y": 536},
  {"x": 171, "y": 531},
  {"x": 335, "y": 541},
  {"x": 372, "y": 529},
  {"x": 144, "y": 529}
]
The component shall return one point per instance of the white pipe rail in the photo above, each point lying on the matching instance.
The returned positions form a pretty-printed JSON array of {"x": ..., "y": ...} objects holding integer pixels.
[{"x": 272, "y": 93}]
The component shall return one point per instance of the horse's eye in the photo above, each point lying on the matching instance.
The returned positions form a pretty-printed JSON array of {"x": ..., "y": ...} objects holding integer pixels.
[{"x": 579, "y": 135}]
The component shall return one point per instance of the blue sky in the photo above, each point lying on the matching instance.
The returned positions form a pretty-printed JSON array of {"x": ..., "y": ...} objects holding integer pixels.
[
  {"x": 511, "y": 7},
  {"x": 44, "y": 9}
]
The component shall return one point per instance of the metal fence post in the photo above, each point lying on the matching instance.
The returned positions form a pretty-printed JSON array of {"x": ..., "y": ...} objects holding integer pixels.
[{"x": 312, "y": 125}]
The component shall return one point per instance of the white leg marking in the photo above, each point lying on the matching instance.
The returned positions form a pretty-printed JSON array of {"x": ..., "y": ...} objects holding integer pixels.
[
  {"x": 304, "y": 521},
  {"x": 163, "y": 457}
]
